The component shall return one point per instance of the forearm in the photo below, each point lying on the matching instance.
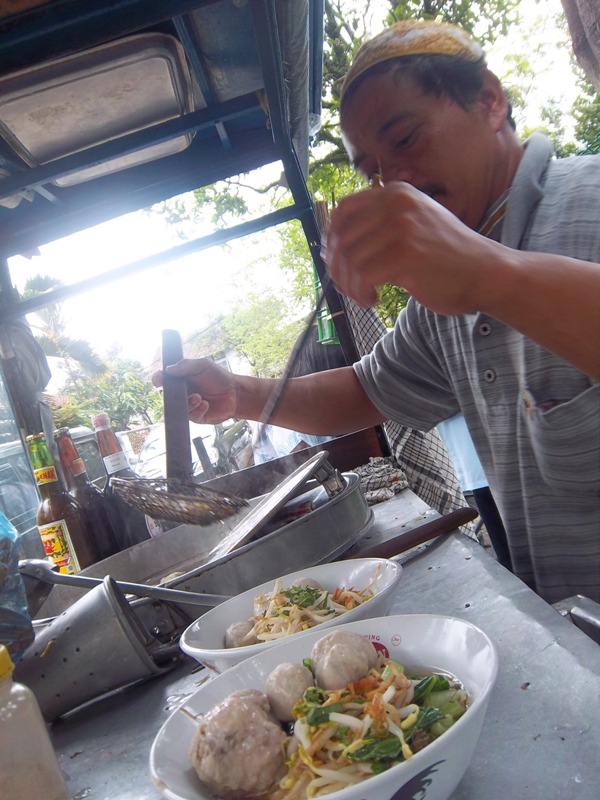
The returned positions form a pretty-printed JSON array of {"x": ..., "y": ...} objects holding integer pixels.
[
  {"x": 329, "y": 403},
  {"x": 552, "y": 299}
]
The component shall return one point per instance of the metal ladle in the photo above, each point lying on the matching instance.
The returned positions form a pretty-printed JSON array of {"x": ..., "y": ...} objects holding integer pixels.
[{"x": 42, "y": 570}]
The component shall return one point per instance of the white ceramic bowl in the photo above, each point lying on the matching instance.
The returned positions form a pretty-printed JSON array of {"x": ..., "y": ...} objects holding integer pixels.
[
  {"x": 420, "y": 640},
  {"x": 204, "y": 639}
]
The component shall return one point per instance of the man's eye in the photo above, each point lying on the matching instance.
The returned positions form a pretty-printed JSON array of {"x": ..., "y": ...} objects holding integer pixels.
[{"x": 407, "y": 140}]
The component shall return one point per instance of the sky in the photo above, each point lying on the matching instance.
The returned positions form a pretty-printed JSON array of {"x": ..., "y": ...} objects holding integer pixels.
[{"x": 186, "y": 294}]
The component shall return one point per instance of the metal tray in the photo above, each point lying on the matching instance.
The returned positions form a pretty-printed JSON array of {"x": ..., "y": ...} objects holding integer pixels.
[
  {"x": 59, "y": 108},
  {"x": 320, "y": 536}
]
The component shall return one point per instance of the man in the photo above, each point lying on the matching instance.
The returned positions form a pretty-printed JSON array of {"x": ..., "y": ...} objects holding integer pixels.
[{"x": 498, "y": 245}]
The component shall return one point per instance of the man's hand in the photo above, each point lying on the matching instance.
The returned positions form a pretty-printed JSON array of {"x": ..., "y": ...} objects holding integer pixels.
[
  {"x": 212, "y": 393},
  {"x": 401, "y": 236}
]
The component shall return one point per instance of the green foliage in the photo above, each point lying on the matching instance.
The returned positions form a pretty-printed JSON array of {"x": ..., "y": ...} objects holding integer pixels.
[
  {"x": 295, "y": 260},
  {"x": 586, "y": 112},
  {"x": 48, "y": 328},
  {"x": 123, "y": 392},
  {"x": 66, "y": 413},
  {"x": 78, "y": 354},
  {"x": 259, "y": 331},
  {"x": 392, "y": 299},
  {"x": 554, "y": 127},
  {"x": 488, "y": 19},
  {"x": 211, "y": 341}
]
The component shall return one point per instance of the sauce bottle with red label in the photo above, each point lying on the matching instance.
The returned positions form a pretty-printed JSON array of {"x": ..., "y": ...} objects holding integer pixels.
[{"x": 60, "y": 519}]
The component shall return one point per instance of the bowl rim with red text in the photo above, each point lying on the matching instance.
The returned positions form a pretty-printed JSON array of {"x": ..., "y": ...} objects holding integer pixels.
[{"x": 420, "y": 641}]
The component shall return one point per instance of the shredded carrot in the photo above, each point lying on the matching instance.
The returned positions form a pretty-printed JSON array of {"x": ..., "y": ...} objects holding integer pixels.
[{"x": 364, "y": 685}]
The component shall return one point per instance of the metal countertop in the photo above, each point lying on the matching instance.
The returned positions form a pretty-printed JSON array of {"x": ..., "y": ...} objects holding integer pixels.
[{"x": 540, "y": 738}]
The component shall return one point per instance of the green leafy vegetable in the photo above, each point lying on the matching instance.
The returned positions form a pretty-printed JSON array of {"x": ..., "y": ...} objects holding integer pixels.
[
  {"x": 343, "y": 734},
  {"x": 320, "y": 714},
  {"x": 314, "y": 696},
  {"x": 308, "y": 663},
  {"x": 378, "y": 750},
  {"x": 377, "y": 767},
  {"x": 427, "y": 716},
  {"x": 453, "y": 709},
  {"x": 391, "y": 668},
  {"x": 303, "y": 596},
  {"x": 441, "y": 726},
  {"x": 433, "y": 683}
]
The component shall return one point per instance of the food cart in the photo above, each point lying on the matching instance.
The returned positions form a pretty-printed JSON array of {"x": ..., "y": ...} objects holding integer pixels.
[
  {"x": 112, "y": 107},
  {"x": 238, "y": 86},
  {"x": 539, "y": 738}
]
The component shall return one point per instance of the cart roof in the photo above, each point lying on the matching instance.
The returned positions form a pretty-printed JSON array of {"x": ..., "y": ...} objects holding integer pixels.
[{"x": 216, "y": 88}]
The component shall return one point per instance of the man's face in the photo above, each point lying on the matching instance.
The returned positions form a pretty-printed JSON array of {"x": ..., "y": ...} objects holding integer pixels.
[{"x": 391, "y": 127}]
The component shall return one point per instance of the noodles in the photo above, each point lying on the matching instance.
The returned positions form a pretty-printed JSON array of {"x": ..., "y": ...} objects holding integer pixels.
[
  {"x": 343, "y": 715},
  {"x": 343, "y": 737},
  {"x": 283, "y": 612}
]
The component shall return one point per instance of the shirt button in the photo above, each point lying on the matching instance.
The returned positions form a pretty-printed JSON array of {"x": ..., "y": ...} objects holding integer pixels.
[
  {"x": 485, "y": 329},
  {"x": 489, "y": 375}
]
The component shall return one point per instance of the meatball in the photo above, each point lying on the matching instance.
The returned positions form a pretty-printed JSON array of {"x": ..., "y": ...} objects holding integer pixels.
[
  {"x": 285, "y": 686},
  {"x": 237, "y": 748},
  {"x": 341, "y": 657},
  {"x": 236, "y": 634}
]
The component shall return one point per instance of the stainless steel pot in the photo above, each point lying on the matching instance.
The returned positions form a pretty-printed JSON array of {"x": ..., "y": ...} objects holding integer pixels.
[{"x": 322, "y": 535}]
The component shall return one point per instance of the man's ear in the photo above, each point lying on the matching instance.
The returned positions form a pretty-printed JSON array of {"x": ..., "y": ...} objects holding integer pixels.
[{"x": 494, "y": 100}]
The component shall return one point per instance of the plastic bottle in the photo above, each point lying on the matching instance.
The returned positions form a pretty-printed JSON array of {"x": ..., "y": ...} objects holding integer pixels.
[
  {"x": 130, "y": 525},
  {"x": 60, "y": 519},
  {"x": 29, "y": 769},
  {"x": 89, "y": 497},
  {"x": 16, "y": 630}
]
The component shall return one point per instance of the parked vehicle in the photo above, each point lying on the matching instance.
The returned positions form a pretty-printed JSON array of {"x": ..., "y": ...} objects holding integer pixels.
[
  {"x": 227, "y": 446},
  {"x": 19, "y": 498}
]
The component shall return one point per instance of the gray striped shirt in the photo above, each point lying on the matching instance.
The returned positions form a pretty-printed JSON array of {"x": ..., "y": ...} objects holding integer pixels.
[{"x": 535, "y": 419}]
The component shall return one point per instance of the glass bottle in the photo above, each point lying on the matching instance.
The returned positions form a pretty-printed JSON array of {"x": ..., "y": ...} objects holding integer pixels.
[
  {"x": 16, "y": 630},
  {"x": 89, "y": 497},
  {"x": 28, "y": 764},
  {"x": 60, "y": 519},
  {"x": 130, "y": 525}
]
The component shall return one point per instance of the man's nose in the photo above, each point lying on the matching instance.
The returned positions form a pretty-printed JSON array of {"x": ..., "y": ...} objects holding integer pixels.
[{"x": 395, "y": 172}]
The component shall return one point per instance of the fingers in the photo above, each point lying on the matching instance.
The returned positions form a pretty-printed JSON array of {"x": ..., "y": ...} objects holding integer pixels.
[
  {"x": 379, "y": 237},
  {"x": 189, "y": 366},
  {"x": 362, "y": 236},
  {"x": 197, "y": 408},
  {"x": 157, "y": 379}
]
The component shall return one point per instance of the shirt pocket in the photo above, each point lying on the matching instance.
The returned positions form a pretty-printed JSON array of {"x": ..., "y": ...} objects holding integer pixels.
[{"x": 565, "y": 438}]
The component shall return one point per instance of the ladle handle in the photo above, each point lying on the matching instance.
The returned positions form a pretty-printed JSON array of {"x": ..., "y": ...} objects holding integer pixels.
[
  {"x": 177, "y": 428},
  {"x": 43, "y": 573},
  {"x": 424, "y": 533}
]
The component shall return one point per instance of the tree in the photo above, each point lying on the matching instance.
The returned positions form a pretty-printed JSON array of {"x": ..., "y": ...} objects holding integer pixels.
[
  {"x": 586, "y": 112},
  {"x": 48, "y": 328},
  {"x": 258, "y": 330},
  {"x": 122, "y": 391}
]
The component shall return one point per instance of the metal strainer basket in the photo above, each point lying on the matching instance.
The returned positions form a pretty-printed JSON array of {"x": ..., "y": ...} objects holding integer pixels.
[
  {"x": 94, "y": 647},
  {"x": 180, "y": 501}
]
